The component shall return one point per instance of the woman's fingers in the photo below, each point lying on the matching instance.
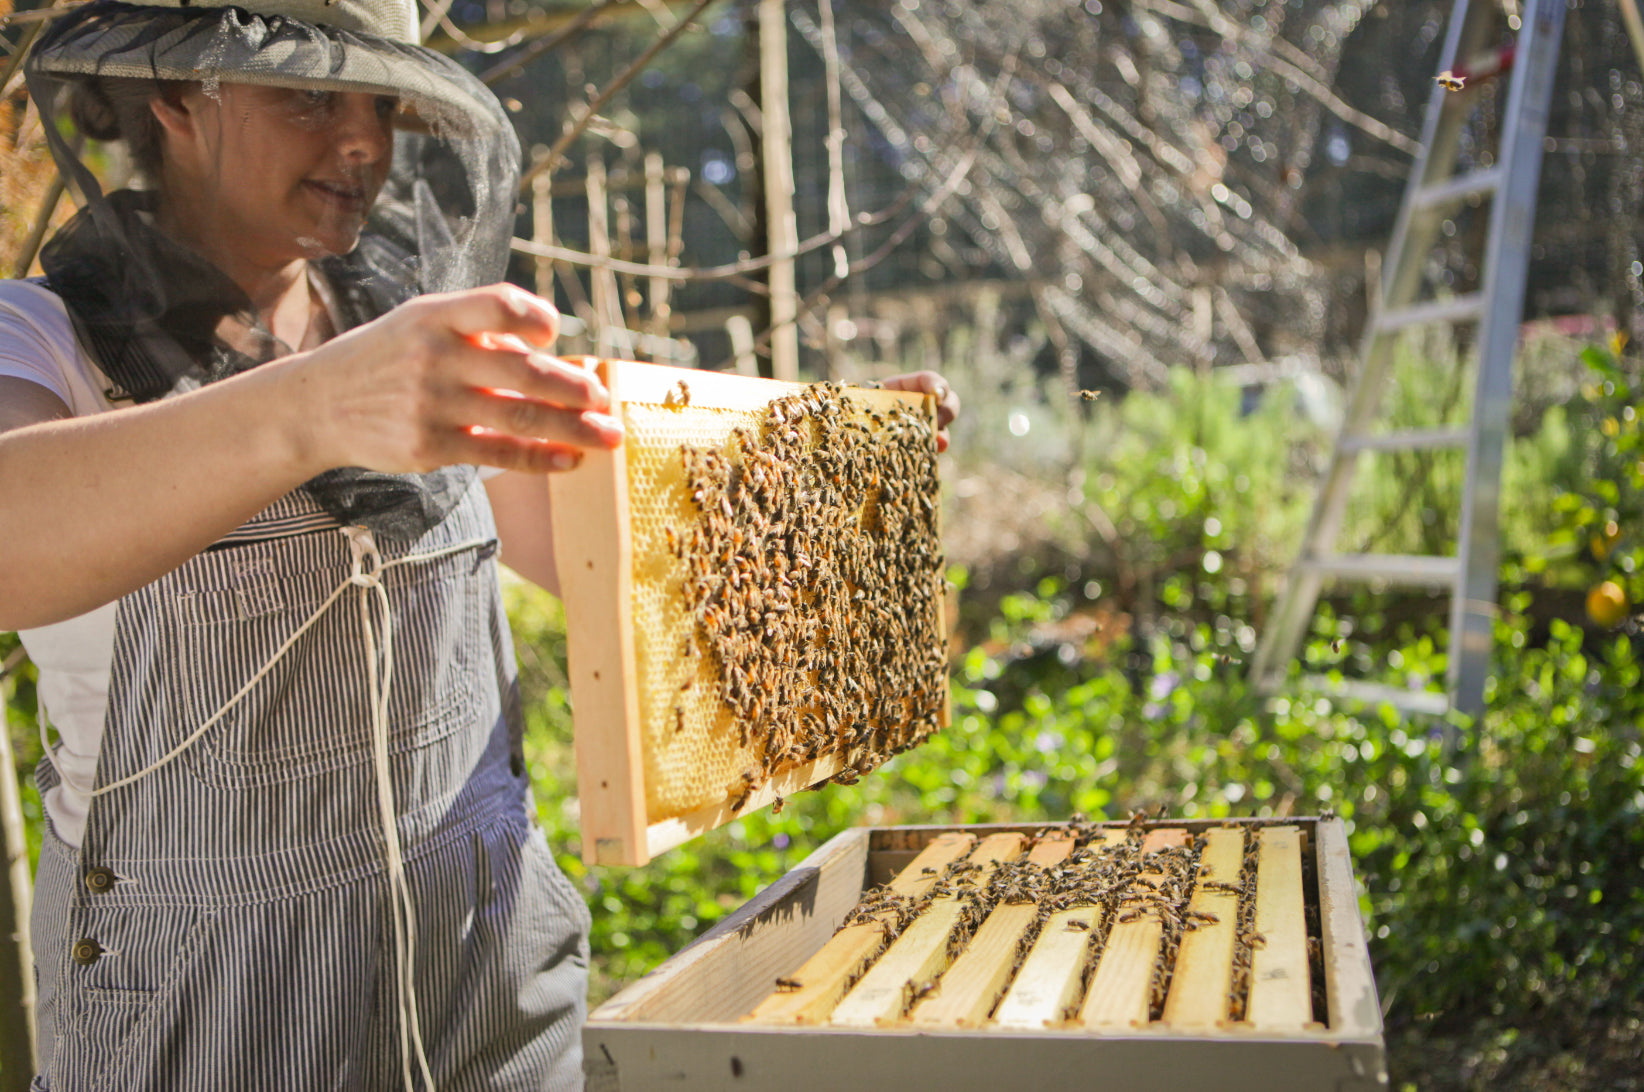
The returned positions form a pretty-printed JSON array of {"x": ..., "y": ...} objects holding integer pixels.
[
  {"x": 931, "y": 383},
  {"x": 453, "y": 378},
  {"x": 509, "y": 414},
  {"x": 510, "y": 453},
  {"x": 535, "y": 375},
  {"x": 498, "y": 309}
]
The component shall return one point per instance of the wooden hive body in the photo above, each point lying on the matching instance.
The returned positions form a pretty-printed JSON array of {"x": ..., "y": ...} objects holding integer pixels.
[
  {"x": 1069, "y": 1009},
  {"x": 752, "y": 587}
]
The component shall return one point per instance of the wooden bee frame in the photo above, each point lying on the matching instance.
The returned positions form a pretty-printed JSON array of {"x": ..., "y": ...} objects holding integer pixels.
[
  {"x": 593, "y": 540},
  {"x": 688, "y": 1026}
]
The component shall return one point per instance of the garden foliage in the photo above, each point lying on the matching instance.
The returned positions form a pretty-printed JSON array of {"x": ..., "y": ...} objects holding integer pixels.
[{"x": 1500, "y": 859}]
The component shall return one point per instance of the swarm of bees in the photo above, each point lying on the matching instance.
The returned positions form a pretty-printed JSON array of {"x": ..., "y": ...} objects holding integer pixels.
[{"x": 812, "y": 575}]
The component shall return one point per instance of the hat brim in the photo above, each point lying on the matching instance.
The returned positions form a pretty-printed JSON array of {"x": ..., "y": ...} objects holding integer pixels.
[{"x": 232, "y": 46}]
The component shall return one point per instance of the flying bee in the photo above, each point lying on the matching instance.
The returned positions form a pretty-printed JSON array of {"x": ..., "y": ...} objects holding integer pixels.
[
  {"x": 1450, "y": 81},
  {"x": 1089, "y": 396}
]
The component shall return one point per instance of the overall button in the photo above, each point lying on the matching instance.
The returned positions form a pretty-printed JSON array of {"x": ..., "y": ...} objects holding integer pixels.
[
  {"x": 99, "y": 880},
  {"x": 86, "y": 951}
]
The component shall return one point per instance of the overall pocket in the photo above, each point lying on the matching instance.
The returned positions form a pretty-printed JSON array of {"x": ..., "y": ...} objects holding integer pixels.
[
  {"x": 310, "y": 711},
  {"x": 125, "y": 1003}
]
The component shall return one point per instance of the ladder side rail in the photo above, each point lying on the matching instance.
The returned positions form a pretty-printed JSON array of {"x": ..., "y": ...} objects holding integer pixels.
[
  {"x": 1282, "y": 635},
  {"x": 1472, "y": 24},
  {"x": 1412, "y": 239},
  {"x": 1506, "y": 264}
]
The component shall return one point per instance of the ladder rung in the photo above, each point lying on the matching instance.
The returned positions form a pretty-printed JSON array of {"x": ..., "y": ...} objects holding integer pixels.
[
  {"x": 1439, "y": 194},
  {"x": 1420, "y": 569},
  {"x": 1430, "y": 702},
  {"x": 1413, "y": 440},
  {"x": 1459, "y": 309}
]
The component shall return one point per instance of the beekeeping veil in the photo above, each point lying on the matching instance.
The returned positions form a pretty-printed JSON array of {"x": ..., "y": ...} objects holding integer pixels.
[{"x": 156, "y": 315}]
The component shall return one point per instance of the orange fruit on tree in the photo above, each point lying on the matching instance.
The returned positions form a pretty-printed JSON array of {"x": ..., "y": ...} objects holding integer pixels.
[
  {"x": 1603, "y": 542},
  {"x": 1607, "y": 604}
]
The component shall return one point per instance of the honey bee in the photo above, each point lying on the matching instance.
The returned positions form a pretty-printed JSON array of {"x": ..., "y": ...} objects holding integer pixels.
[
  {"x": 1450, "y": 81},
  {"x": 678, "y": 397},
  {"x": 788, "y": 985}
]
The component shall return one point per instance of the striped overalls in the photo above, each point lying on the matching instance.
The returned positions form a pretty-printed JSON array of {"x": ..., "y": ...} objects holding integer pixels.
[{"x": 227, "y": 921}]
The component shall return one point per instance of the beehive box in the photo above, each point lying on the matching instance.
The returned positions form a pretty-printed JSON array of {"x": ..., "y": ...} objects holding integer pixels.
[
  {"x": 753, "y": 594},
  {"x": 1168, "y": 956}
]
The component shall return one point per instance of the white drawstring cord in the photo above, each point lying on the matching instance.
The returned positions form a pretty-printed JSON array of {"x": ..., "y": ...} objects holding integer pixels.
[{"x": 366, "y": 574}]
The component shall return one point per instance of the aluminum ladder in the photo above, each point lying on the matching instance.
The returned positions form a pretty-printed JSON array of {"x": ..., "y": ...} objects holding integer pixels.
[{"x": 1435, "y": 189}]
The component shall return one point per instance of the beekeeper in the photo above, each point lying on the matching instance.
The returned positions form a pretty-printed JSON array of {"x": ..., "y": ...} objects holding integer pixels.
[{"x": 290, "y": 840}]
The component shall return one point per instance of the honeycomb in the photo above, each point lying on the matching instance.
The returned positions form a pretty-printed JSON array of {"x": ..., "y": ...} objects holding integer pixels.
[{"x": 785, "y": 590}]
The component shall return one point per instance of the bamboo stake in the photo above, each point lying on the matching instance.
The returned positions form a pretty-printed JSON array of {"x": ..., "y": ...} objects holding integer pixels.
[
  {"x": 1635, "y": 27},
  {"x": 740, "y": 331},
  {"x": 628, "y": 296},
  {"x": 776, "y": 147},
  {"x": 838, "y": 210},
  {"x": 16, "y": 894},
  {"x": 542, "y": 232},
  {"x": 603, "y": 286},
  {"x": 656, "y": 241}
]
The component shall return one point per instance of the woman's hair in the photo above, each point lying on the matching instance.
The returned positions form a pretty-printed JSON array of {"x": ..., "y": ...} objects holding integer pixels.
[{"x": 117, "y": 108}]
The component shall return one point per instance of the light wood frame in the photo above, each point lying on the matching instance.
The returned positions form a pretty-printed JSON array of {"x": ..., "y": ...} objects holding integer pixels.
[
  {"x": 680, "y": 1027},
  {"x": 593, "y": 548}
]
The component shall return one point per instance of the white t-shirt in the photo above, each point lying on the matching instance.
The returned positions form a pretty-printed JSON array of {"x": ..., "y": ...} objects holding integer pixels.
[
  {"x": 37, "y": 343},
  {"x": 74, "y": 657}
]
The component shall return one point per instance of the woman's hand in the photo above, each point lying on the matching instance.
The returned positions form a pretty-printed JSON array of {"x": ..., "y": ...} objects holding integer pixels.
[
  {"x": 455, "y": 378},
  {"x": 947, "y": 401},
  {"x": 441, "y": 380}
]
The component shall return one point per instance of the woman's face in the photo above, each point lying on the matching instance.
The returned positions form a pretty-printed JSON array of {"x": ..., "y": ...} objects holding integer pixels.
[{"x": 270, "y": 174}]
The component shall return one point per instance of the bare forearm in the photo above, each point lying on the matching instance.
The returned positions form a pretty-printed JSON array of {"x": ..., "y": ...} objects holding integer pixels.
[
  {"x": 95, "y": 507},
  {"x": 525, "y": 527}
]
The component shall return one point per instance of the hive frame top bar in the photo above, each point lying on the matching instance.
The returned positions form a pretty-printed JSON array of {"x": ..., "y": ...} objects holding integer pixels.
[
  {"x": 683, "y": 1021},
  {"x": 595, "y": 559}
]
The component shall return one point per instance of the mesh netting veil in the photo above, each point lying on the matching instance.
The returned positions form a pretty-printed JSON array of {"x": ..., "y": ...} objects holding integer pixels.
[{"x": 160, "y": 317}]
